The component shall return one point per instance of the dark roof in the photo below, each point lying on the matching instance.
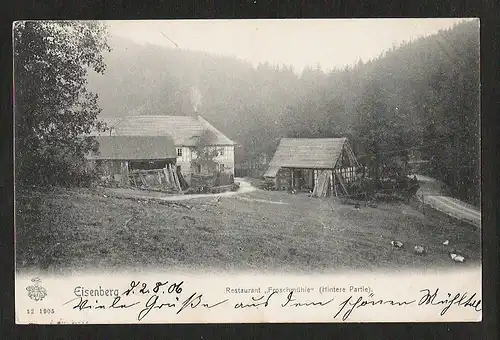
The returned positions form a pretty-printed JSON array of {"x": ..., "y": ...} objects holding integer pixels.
[
  {"x": 185, "y": 130},
  {"x": 134, "y": 148},
  {"x": 309, "y": 153}
]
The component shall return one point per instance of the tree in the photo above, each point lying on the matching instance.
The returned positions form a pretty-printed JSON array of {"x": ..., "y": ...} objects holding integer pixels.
[
  {"x": 204, "y": 148},
  {"x": 53, "y": 109},
  {"x": 370, "y": 129}
]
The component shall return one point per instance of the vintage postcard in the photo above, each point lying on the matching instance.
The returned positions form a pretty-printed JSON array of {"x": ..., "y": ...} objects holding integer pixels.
[{"x": 247, "y": 171}]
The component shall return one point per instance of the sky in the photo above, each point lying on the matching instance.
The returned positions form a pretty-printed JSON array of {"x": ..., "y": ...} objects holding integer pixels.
[{"x": 329, "y": 43}]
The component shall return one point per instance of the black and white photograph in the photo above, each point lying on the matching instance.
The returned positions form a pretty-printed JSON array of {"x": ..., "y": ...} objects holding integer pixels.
[{"x": 290, "y": 147}]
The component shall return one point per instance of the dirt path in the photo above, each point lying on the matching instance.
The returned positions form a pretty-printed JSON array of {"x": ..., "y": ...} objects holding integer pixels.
[
  {"x": 245, "y": 187},
  {"x": 259, "y": 200},
  {"x": 430, "y": 193}
]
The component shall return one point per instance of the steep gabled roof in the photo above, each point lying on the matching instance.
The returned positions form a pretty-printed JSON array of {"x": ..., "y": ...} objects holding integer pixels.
[
  {"x": 309, "y": 153},
  {"x": 185, "y": 130},
  {"x": 134, "y": 148}
]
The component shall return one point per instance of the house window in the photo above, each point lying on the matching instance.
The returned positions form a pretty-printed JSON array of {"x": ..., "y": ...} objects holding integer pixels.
[
  {"x": 221, "y": 151},
  {"x": 179, "y": 152},
  {"x": 221, "y": 167}
]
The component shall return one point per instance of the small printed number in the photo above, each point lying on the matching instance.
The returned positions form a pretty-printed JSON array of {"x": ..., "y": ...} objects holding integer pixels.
[{"x": 42, "y": 311}]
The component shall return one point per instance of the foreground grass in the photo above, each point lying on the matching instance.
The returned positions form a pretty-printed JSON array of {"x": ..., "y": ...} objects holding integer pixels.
[{"x": 82, "y": 229}]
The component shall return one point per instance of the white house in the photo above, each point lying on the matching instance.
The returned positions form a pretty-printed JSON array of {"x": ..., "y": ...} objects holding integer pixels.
[{"x": 185, "y": 131}]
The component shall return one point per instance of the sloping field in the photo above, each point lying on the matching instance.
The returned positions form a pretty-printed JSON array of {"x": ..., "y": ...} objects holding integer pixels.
[{"x": 260, "y": 230}]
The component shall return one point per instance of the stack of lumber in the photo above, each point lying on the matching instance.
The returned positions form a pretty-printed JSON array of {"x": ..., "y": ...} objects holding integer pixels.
[
  {"x": 166, "y": 178},
  {"x": 321, "y": 189}
]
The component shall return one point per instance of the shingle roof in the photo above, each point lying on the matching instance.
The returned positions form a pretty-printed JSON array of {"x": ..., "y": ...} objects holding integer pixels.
[
  {"x": 309, "y": 153},
  {"x": 272, "y": 171},
  {"x": 185, "y": 130},
  {"x": 134, "y": 148}
]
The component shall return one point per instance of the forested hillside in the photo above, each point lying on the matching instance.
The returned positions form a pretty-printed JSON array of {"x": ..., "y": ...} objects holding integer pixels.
[{"x": 422, "y": 96}]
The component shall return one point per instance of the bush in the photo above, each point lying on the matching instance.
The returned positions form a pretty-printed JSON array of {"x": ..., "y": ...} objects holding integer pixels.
[{"x": 63, "y": 171}]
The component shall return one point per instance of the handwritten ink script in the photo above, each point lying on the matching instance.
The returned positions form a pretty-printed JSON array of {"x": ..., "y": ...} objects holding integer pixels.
[{"x": 172, "y": 297}]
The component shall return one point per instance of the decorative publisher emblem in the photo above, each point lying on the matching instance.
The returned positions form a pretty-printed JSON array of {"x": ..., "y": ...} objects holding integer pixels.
[{"x": 36, "y": 292}]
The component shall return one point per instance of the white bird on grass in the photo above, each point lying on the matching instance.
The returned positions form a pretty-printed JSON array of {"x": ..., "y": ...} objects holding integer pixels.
[
  {"x": 446, "y": 242},
  {"x": 397, "y": 244},
  {"x": 456, "y": 257}
]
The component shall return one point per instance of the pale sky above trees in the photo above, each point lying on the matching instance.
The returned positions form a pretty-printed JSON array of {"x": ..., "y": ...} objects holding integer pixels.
[{"x": 303, "y": 42}]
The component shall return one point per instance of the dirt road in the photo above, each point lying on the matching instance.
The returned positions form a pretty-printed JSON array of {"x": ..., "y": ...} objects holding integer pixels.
[
  {"x": 245, "y": 187},
  {"x": 431, "y": 193}
]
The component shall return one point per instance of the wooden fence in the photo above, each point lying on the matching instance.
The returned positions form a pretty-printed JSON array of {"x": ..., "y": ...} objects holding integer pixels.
[{"x": 215, "y": 179}]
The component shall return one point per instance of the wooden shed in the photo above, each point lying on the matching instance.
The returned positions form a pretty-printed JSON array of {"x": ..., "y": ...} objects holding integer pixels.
[
  {"x": 126, "y": 159},
  {"x": 320, "y": 165}
]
